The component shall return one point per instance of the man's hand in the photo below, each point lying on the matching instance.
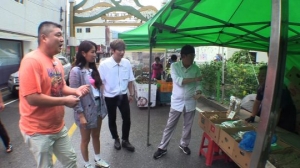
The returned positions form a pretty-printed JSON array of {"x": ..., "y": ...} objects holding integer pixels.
[
  {"x": 2, "y": 106},
  {"x": 250, "y": 119},
  {"x": 197, "y": 94},
  {"x": 71, "y": 101},
  {"x": 130, "y": 98},
  {"x": 83, "y": 122},
  {"x": 82, "y": 90}
]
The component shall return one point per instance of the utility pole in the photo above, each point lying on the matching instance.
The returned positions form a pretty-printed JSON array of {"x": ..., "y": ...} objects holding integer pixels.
[{"x": 72, "y": 39}]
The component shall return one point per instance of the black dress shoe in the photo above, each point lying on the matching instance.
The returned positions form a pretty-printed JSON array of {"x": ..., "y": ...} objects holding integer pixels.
[
  {"x": 117, "y": 144},
  {"x": 128, "y": 146}
]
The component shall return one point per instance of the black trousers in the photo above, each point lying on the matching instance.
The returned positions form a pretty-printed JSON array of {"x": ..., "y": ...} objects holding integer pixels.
[
  {"x": 120, "y": 101},
  {"x": 3, "y": 135}
]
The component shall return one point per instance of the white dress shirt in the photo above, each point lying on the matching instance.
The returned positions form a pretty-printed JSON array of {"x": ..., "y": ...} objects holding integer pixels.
[
  {"x": 115, "y": 77},
  {"x": 183, "y": 95}
]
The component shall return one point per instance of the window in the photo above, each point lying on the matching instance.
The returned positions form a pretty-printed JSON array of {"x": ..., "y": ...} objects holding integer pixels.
[
  {"x": 79, "y": 30},
  {"x": 20, "y": 1},
  {"x": 10, "y": 52},
  {"x": 87, "y": 30}
]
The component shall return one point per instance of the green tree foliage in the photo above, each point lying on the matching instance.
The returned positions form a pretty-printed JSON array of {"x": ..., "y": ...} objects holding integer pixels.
[
  {"x": 210, "y": 73},
  {"x": 242, "y": 56},
  {"x": 239, "y": 78}
]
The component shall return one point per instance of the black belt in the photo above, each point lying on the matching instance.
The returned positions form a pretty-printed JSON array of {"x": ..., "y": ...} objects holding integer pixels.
[{"x": 97, "y": 98}]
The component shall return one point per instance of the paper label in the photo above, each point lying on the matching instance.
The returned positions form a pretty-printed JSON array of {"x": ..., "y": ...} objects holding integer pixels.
[{"x": 231, "y": 114}]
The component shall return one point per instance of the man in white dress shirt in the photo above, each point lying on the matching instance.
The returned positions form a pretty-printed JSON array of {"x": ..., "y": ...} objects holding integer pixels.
[
  {"x": 186, "y": 89},
  {"x": 117, "y": 77}
]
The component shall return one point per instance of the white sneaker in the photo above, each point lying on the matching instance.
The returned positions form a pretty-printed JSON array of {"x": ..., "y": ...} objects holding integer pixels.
[
  {"x": 101, "y": 163},
  {"x": 88, "y": 166}
]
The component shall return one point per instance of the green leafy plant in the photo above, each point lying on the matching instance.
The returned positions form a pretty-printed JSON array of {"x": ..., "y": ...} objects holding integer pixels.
[
  {"x": 239, "y": 79},
  {"x": 241, "y": 57},
  {"x": 209, "y": 71}
]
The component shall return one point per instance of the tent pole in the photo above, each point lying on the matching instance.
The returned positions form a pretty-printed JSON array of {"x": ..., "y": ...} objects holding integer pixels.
[
  {"x": 274, "y": 82},
  {"x": 149, "y": 95},
  {"x": 223, "y": 75}
]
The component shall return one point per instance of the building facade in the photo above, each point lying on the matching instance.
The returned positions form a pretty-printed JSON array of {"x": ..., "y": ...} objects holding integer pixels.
[{"x": 18, "y": 29}]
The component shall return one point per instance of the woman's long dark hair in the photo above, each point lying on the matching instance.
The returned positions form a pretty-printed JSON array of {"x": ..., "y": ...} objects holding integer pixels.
[{"x": 86, "y": 46}]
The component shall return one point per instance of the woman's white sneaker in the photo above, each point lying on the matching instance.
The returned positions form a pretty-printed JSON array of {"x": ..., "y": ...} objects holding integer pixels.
[
  {"x": 101, "y": 163},
  {"x": 88, "y": 166}
]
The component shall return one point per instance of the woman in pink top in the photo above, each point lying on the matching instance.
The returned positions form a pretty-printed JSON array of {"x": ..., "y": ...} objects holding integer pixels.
[{"x": 157, "y": 69}]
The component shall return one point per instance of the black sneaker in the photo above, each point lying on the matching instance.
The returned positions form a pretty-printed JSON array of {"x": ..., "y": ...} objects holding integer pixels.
[
  {"x": 128, "y": 146},
  {"x": 117, "y": 144},
  {"x": 159, "y": 153},
  {"x": 185, "y": 150}
]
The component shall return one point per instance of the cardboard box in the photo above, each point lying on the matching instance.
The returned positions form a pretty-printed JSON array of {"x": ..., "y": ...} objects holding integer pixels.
[
  {"x": 204, "y": 118},
  {"x": 208, "y": 125},
  {"x": 227, "y": 143},
  {"x": 214, "y": 128},
  {"x": 141, "y": 94},
  {"x": 244, "y": 158},
  {"x": 241, "y": 157}
]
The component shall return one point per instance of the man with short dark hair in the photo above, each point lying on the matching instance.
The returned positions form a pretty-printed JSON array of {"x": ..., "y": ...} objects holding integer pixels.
[
  {"x": 43, "y": 97},
  {"x": 117, "y": 77},
  {"x": 186, "y": 90}
]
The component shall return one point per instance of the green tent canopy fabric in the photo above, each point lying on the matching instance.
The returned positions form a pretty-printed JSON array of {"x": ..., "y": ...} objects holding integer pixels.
[
  {"x": 138, "y": 38},
  {"x": 241, "y": 24}
]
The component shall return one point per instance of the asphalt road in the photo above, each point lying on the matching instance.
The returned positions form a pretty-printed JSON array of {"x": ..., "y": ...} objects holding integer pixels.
[{"x": 21, "y": 157}]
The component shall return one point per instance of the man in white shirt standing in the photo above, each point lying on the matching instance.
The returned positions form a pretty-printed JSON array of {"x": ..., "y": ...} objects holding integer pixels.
[
  {"x": 186, "y": 89},
  {"x": 117, "y": 77}
]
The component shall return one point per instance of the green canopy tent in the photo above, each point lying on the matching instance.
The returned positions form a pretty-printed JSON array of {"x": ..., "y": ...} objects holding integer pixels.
[
  {"x": 244, "y": 24},
  {"x": 138, "y": 38},
  {"x": 270, "y": 25}
]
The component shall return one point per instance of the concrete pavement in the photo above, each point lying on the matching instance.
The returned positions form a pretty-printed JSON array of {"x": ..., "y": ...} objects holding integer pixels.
[{"x": 141, "y": 158}]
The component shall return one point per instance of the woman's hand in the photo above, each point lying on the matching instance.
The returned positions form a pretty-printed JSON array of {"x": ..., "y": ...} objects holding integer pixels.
[{"x": 197, "y": 94}]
